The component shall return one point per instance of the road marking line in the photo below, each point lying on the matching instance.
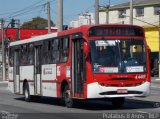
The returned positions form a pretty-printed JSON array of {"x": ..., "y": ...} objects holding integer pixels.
[
  {"x": 4, "y": 112},
  {"x": 142, "y": 112},
  {"x": 155, "y": 93},
  {"x": 157, "y": 79},
  {"x": 154, "y": 87}
]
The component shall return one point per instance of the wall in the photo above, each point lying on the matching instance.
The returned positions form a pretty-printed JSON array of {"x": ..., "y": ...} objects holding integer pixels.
[
  {"x": 152, "y": 38},
  {"x": 148, "y": 17}
]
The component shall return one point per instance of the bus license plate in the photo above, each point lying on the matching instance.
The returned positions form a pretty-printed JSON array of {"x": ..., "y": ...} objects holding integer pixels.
[{"x": 122, "y": 91}]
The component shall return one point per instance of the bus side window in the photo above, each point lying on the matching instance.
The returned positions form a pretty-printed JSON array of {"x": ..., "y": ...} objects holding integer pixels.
[
  {"x": 64, "y": 49},
  {"x": 56, "y": 53},
  {"x": 30, "y": 54},
  {"x": 50, "y": 51},
  {"x": 53, "y": 58},
  {"x": 46, "y": 52},
  {"x": 21, "y": 55},
  {"x": 24, "y": 59}
]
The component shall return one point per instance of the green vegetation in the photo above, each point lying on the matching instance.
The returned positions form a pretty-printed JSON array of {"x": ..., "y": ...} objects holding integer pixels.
[{"x": 37, "y": 23}]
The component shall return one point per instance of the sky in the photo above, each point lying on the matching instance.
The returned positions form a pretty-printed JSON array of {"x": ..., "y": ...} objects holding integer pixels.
[{"x": 25, "y": 10}]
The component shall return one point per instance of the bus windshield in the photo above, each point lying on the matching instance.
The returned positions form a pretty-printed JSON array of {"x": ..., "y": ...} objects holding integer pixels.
[{"x": 118, "y": 56}]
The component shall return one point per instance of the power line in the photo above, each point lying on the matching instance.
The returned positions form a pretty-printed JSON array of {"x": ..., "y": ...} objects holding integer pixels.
[
  {"x": 30, "y": 10},
  {"x": 112, "y": 2},
  {"x": 89, "y": 8},
  {"x": 146, "y": 22},
  {"x": 115, "y": 2},
  {"x": 28, "y": 7},
  {"x": 4, "y": 13},
  {"x": 42, "y": 9}
]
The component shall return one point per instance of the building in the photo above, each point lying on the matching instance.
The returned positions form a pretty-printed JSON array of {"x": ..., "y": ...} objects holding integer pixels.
[
  {"x": 146, "y": 13},
  {"x": 12, "y": 34},
  {"x": 83, "y": 19}
]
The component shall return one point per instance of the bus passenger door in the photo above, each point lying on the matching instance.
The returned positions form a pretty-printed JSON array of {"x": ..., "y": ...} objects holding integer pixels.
[
  {"x": 37, "y": 69},
  {"x": 16, "y": 75},
  {"x": 78, "y": 68}
]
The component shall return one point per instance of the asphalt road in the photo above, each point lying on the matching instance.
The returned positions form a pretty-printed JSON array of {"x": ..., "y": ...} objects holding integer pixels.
[{"x": 14, "y": 106}]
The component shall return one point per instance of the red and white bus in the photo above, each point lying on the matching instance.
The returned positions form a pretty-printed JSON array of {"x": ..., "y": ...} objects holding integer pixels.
[{"x": 90, "y": 62}]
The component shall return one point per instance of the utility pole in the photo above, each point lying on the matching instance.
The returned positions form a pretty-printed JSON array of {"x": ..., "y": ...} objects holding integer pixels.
[
  {"x": 107, "y": 12},
  {"x": 49, "y": 16},
  {"x": 90, "y": 20},
  {"x": 159, "y": 43},
  {"x": 18, "y": 23},
  {"x": 131, "y": 11},
  {"x": 60, "y": 15},
  {"x": 3, "y": 52},
  {"x": 96, "y": 11}
]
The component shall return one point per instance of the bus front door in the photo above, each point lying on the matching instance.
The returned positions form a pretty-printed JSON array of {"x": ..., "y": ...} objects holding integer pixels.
[
  {"x": 16, "y": 75},
  {"x": 78, "y": 68},
  {"x": 37, "y": 70}
]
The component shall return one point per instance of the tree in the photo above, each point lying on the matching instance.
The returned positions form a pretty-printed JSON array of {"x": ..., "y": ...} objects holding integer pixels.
[{"x": 37, "y": 23}]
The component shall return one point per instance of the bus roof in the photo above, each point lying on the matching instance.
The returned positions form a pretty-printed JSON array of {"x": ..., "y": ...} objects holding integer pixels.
[
  {"x": 83, "y": 29},
  {"x": 34, "y": 39}
]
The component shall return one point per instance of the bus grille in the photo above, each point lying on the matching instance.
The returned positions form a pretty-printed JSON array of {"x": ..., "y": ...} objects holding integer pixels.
[{"x": 115, "y": 93}]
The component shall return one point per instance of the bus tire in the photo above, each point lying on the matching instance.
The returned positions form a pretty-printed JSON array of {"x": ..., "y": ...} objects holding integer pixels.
[
  {"x": 27, "y": 95},
  {"x": 118, "y": 102},
  {"x": 67, "y": 98}
]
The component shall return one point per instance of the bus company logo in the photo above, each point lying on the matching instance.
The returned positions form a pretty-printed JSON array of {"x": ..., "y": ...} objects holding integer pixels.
[
  {"x": 122, "y": 84},
  {"x": 101, "y": 69},
  {"x": 47, "y": 71},
  {"x": 129, "y": 69},
  {"x": 140, "y": 76}
]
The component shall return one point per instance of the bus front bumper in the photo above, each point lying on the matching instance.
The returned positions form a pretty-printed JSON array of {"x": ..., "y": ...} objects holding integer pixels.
[{"x": 94, "y": 90}]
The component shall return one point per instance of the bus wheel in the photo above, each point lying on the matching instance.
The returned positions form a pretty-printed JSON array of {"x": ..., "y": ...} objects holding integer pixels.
[
  {"x": 118, "y": 102},
  {"x": 67, "y": 97},
  {"x": 27, "y": 95}
]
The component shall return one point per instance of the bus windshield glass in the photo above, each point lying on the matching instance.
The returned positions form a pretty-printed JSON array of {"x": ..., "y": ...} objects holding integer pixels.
[{"x": 118, "y": 56}]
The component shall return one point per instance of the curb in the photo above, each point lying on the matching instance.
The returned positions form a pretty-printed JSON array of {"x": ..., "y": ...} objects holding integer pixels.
[
  {"x": 157, "y": 85},
  {"x": 3, "y": 82}
]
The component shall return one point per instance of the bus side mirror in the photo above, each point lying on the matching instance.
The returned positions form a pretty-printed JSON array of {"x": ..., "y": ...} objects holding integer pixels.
[{"x": 86, "y": 49}]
